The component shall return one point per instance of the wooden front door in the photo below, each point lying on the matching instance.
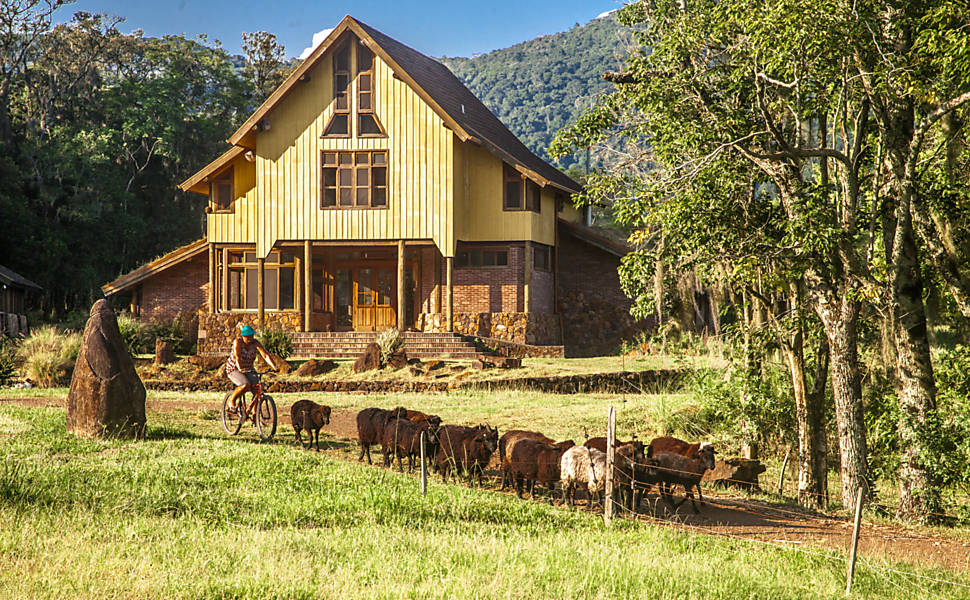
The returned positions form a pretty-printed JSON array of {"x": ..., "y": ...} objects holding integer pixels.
[{"x": 365, "y": 297}]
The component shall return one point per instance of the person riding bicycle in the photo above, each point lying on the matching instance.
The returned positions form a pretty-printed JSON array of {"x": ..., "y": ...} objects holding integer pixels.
[{"x": 239, "y": 366}]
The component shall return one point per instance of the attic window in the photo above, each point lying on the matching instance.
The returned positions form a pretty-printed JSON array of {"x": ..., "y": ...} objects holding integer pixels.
[
  {"x": 220, "y": 192},
  {"x": 367, "y": 123},
  {"x": 339, "y": 125}
]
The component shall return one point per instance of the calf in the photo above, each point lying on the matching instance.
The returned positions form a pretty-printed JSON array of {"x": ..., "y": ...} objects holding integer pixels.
[
  {"x": 536, "y": 461},
  {"x": 308, "y": 415},
  {"x": 582, "y": 465},
  {"x": 370, "y": 427},
  {"x": 402, "y": 438},
  {"x": 507, "y": 442},
  {"x": 676, "y": 446},
  {"x": 466, "y": 449},
  {"x": 674, "y": 469}
]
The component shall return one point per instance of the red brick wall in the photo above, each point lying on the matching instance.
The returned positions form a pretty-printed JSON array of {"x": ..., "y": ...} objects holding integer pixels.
[
  {"x": 180, "y": 288},
  {"x": 541, "y": 295},
  {"x": 490, "y": 289},
  {"x": 586, "y": 268}
]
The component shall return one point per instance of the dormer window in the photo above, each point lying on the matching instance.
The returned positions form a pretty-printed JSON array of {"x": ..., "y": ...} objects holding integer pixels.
[{"x": 220, "y": 192}]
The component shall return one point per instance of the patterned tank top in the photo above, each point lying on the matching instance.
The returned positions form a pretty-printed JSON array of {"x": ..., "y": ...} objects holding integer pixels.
[{"x": 247, "y": 356}]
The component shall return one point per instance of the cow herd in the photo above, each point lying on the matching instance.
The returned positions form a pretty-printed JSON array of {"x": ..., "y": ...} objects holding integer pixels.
[{"x": 525, "y": 458}]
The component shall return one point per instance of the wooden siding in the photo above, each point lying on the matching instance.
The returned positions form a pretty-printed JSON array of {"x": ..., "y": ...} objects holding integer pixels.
[
  {"x": 286, "y": 200},
  {"x": 239, "y": 225},
  {"x": 479, "y": 216}
]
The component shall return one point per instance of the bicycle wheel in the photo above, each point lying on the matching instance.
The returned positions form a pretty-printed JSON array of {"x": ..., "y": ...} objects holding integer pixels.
[
  {"x": 231, "y": 419},
  {"x": 266, "y": 418}
]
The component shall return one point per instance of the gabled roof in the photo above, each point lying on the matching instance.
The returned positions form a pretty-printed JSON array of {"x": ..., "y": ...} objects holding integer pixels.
[
  {"x": 461, "y": 110},
  {"x": 11, "y": 277},
  {"x": 156, "y": 266},
  {"x": 592, "y": 238},
  {"x": 211, "y": 169}
]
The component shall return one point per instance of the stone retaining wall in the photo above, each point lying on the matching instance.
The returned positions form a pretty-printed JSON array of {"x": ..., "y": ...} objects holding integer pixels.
[
  {"x": 217, "y": 331},
  {"x": 516, "y": 350},
  {"x": 620, "y": 382}
]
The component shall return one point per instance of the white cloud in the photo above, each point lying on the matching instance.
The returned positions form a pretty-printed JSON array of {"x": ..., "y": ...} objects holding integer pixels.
[
  {"x": 318, "y": 38},
  {"x": 599, "y": 16}
]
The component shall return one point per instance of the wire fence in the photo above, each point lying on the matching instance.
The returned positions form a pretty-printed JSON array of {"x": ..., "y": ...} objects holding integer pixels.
[{"x": 625, "y": 476}]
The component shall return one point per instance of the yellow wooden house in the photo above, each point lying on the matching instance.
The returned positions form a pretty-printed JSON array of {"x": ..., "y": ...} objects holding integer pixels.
[{"x": 373, "y": 190}]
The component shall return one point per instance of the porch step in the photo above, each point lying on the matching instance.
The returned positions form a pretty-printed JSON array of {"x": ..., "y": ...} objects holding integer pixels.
[{"x": 351, "y": 344}]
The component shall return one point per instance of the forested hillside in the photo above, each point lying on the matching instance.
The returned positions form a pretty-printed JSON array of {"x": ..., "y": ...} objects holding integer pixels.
[{"x": 539, "y": 86}]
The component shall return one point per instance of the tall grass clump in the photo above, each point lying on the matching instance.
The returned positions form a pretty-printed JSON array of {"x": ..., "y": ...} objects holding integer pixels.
[
  {"x": 48, "y": 355},
  {"x": 8, "y": 359},
  {"x": 132, "y": 332},
  {"x": 276, "y": 341},
  {"x": 389, "y": 341}
]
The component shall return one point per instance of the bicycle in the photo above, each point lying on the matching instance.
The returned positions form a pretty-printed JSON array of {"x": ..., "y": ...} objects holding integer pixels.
[{"x": 261, "y": 411}]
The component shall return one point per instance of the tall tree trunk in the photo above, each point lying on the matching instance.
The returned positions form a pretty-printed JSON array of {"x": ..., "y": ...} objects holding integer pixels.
[
  {"x": 811, "y": 432},
  {"x": 918, "y": 489},
  {"x": 749, "y": 443},
  {"x": 839, "y": 319}
]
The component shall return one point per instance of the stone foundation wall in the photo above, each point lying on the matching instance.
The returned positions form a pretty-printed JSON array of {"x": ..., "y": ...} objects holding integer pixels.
[
  {"x": 518, "y": 327},
  {"x": 217, "y": 331}
]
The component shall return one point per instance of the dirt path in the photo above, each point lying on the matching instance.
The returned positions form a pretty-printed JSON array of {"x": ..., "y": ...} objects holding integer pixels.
[{"x": 729, "y": 516}]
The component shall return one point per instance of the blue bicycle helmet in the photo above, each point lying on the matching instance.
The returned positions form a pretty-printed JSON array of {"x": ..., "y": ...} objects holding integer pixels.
[{"x": 247, "y": 331}]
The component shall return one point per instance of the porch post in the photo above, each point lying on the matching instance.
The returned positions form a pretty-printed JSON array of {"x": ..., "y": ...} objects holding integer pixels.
[
  {"x": 260, "y": 301},
  {"x": 401, "y": 312},
  {"x": 307, "y": 284},
  {"x": 449, "y": 295},
  {"x": 528, "y": 276},
  {"x": 213, "y": 276},
  {"x": 225, "y": 279}
]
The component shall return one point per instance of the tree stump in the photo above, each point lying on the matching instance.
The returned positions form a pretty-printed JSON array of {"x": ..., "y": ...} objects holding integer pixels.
[
  {"x": 164, "y": 354},
  {"x": 106, "y": 398}
]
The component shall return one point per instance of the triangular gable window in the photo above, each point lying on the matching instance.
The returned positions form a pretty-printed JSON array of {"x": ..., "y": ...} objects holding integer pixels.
[{"x": 367, "y": 123}]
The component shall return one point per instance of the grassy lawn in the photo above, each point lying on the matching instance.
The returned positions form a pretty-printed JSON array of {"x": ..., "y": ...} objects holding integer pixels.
[{"x": 190, "y": 513}]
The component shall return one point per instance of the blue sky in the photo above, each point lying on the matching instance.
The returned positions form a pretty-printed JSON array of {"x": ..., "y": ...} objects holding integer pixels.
[{"x": 435, "y": 27}]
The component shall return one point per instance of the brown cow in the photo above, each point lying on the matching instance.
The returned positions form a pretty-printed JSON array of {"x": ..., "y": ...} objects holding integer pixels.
[
  {"x": 507, "y": 442},
  {"x": 534, "y": 460},
  {"x": 370, "y": 427},
  {"x": 466, "y": 449}
]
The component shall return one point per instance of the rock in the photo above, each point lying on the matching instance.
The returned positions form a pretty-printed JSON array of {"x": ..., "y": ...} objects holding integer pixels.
[
  {"x": 106, "y": 396},
  {"x": 434, "y": 365},
  {"x": 369, "y": 360},
  {"x": 481, "y": 364},
  {"x": 735, "y": 472},
  {"x": 164, "y": 354},
  {"x": 501, "y": 362},
  {"x": 417, "y": 371},
  {"x": 313, "y": 368},
  {"x": 398, "y": 360},
  {"x": 281, "y": 364},
  {"x": 414, "y": 361},
  {"x": 208, "y": 362}
]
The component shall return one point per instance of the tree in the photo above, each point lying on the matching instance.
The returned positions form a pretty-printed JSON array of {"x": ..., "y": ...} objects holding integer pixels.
[{"x": 266, "y": 66}]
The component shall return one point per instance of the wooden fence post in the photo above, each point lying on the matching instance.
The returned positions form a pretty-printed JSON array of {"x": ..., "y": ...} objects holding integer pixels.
[
  {"x": 424, "y": 469},
  {"x": 855, "y": 542},
  {"x": 610, "y": 461},
  {"x": 784, "y": 466}
]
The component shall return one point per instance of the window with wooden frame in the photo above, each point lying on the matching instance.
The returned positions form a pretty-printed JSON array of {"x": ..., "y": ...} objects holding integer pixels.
[
  {"x": 482, "y": 257},
  {"x": 533, "y": 197},
  {"x": 279, "y": 280},
  {"x": 339, "y": 125},
  {"x": 541, "y": 257},
  {"x": 221, "y": 192},
  {"x": 356, "y": 179},
  {"x": 367, "y": 123},
  {"x": 512, "y": 188}
]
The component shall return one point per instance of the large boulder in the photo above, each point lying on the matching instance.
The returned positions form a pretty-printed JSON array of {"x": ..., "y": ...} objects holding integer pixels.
[
  {"x": 164, "y": 353},
  {"x": 208, "y": 362},
  {"x": 314, "y": 368},
  {"x": 369, "y": 360},
  {"x": 106, "y": 396}
]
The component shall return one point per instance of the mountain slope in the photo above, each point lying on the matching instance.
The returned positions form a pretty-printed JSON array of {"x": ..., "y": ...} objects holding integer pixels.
[{"x": 539, "y": 86}]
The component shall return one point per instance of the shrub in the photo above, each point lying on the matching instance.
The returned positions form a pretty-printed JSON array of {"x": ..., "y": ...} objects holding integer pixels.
[
  {"x": 49, "y": 354},
  {"x": 276, "y": 341},
  {"x": 389, "y": 341},
  {"x": 132, "y": 332}
]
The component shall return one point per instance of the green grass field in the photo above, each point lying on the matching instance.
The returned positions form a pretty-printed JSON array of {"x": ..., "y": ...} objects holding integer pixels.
[{"x": 191, "y": 513}]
